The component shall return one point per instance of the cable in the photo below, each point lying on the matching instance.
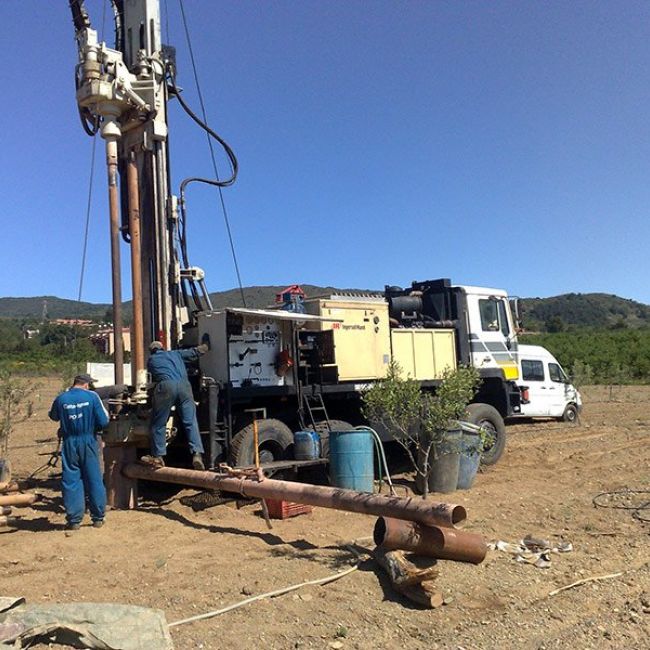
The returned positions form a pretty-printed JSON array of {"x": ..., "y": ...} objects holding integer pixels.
[
  {"x": 382, "y": 455},
  {"x": 88, "y": 207},
  {"x": 625, "y": 494},
  {"x": 87, "y": 227},
  {"x": 228, "y": 150}
]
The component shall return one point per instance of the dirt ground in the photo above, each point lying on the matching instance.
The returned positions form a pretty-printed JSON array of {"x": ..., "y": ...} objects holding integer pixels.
[{"x": 167, "y": 555}]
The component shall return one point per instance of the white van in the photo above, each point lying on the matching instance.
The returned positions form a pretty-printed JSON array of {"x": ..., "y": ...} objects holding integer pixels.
[{"x": 549, "y": 391}]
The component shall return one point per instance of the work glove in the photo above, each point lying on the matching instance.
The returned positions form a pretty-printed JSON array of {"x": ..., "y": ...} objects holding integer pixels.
[{"x": 203, "y": 348}]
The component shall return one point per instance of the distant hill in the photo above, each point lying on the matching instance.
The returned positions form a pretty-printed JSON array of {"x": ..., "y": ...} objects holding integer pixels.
[
  {"x": 259, "y": 297},
  {"x": 256, "y": 297},
  {"x": 598, "y": 310},
  {"x": 56, "y": 308}
]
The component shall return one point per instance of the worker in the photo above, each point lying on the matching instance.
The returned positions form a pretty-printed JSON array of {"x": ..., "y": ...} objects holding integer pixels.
[
  {"x": 172, "y": 388},
  {"x": 81, "y": 414}
]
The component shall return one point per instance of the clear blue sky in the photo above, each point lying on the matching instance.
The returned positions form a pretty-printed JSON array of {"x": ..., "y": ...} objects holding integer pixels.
[{"x": 500, "y": 143}]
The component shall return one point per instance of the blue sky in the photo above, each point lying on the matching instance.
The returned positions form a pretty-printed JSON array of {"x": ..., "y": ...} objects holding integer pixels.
[{"x": 503, "y": 144}]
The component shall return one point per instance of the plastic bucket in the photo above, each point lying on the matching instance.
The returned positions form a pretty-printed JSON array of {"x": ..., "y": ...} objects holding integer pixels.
[
  {"x": 306, "y": 445},
  {"x": 444, "y": 464},
  {"x": 470, "y": 458},
  {"x": 352, "y": 460}
]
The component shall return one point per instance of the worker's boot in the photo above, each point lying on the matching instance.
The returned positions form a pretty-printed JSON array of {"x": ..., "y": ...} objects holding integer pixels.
[
  {"x": 197, "y": 462},
  {"x": 71, "y": 528}
]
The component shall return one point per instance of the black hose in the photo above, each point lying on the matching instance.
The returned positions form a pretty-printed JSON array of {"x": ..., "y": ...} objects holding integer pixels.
[
  {"x": 118, "y": 13},
  {"x": 234, "y": 165},
  {"x": 80, "y": 17}
]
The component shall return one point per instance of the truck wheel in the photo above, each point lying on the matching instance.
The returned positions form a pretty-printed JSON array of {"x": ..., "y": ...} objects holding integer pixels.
[
  {"x": 274, "y": 440},
  {"x": 324, "y": 432},
  {"x": 490, "y": 419},
  {"x": 570, "y": 413}
]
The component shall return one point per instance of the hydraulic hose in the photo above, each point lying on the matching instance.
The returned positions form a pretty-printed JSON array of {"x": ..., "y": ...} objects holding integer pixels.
[
  {"x": 382, "y": 455},
  {"x": 234, "y": 165}
]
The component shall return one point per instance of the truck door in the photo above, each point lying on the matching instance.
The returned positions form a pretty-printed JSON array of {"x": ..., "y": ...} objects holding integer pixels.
[
  {"x": 491, "y": 334},
  {"x": 557, "y": 390},
  {"x": 535, "y": 376}
]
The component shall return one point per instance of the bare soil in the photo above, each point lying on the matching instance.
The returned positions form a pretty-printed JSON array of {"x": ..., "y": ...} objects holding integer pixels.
[{"x": 167, "y": 555}]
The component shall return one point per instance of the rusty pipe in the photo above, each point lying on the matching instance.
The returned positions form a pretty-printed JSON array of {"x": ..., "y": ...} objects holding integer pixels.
[
  {"x": 442, "y": 543},
  {"x": 111, "y": 132},
  {"x": 18, "y": 500},
  {"x": 425, "y": 512},
  {"x": 137, "y": 342}
]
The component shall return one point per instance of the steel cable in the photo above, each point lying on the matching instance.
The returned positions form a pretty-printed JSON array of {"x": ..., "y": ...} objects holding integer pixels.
[{"x": 233, "y": 160}]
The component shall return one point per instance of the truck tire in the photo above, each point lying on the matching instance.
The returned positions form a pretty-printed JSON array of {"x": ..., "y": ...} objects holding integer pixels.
[
  {"x": 570, "y": 413},
  {"x": 274, "y": 441},
  {"x": 489, "y": 418},
  {"x": 324, "y": 432}
]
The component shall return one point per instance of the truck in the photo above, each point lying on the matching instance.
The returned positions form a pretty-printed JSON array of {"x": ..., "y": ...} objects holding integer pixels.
[{"x": 273, "y": 371}]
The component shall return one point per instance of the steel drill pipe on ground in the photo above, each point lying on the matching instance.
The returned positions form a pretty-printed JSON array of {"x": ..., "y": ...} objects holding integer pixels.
[
  {"x": 443, "y": 543},
  {"x": 425, "y": 512},
  {"x": 18, "y": 500}
]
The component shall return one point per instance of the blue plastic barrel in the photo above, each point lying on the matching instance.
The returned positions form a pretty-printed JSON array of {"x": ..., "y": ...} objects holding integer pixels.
[
  {"x": 352, "y": 460},
  {"x": 306, "y": 445}
]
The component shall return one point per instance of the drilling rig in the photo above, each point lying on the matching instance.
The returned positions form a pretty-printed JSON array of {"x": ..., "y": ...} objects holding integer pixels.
[{"x": 268, "y": 372}]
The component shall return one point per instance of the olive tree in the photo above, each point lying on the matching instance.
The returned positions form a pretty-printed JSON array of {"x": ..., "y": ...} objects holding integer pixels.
[{"x": 418, "y": 419}]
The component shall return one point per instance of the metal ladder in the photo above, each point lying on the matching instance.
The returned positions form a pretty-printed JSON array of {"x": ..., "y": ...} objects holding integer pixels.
[{"x": 313, "y": 403}]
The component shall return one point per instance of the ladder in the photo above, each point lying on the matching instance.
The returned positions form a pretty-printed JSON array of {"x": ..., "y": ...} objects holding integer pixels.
[{"x": 313, "y": 405}]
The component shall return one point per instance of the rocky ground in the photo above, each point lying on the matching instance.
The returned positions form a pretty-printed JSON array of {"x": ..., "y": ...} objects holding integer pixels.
[{"x": 184, "y": 561}]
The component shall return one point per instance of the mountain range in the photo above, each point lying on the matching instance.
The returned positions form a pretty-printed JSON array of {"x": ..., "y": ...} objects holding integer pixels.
[{"x": 577, "y": 309}]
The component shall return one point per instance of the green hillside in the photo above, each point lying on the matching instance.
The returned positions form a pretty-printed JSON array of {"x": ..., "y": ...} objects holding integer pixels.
[
  {"x": 597, "y": 310},
  {"x": 56, "y": 308}
]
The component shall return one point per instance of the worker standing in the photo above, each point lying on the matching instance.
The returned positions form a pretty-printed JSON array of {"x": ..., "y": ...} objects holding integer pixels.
[
  {"x": 81, "y": 415},
  {"x": 168, "y": 372}
]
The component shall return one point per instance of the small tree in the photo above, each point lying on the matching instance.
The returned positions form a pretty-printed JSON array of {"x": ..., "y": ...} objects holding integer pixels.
[
  {"x": 15, "y": 406},
  {"x": 582, "y": 374},
  {"x": 418, "y": 419}
]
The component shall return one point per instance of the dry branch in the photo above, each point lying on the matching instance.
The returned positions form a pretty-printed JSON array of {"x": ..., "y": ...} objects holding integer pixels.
[{"x": 584, "y": 580}]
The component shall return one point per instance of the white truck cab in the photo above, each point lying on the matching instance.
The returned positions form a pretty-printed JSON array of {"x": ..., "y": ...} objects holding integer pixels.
[
  {"x": 546, "y": 386},
  {"x": 491, "y": 330}
]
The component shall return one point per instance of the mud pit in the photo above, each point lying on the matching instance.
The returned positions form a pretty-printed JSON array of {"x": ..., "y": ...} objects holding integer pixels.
[{"x": 168, "y": 556}]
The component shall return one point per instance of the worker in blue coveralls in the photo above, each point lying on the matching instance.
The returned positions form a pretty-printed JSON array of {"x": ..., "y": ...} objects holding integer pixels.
[
  {"x": 172, "y": 388},
  {"x": 81, "y": 415}
]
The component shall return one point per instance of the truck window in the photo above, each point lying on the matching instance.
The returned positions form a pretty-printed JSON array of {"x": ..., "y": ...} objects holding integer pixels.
[
  {"x": 532, "y": 370},
  {"x": 489, "y": 315},
  {"x": 503, "y": 319},
  {"x": 556, "y": 373}
]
